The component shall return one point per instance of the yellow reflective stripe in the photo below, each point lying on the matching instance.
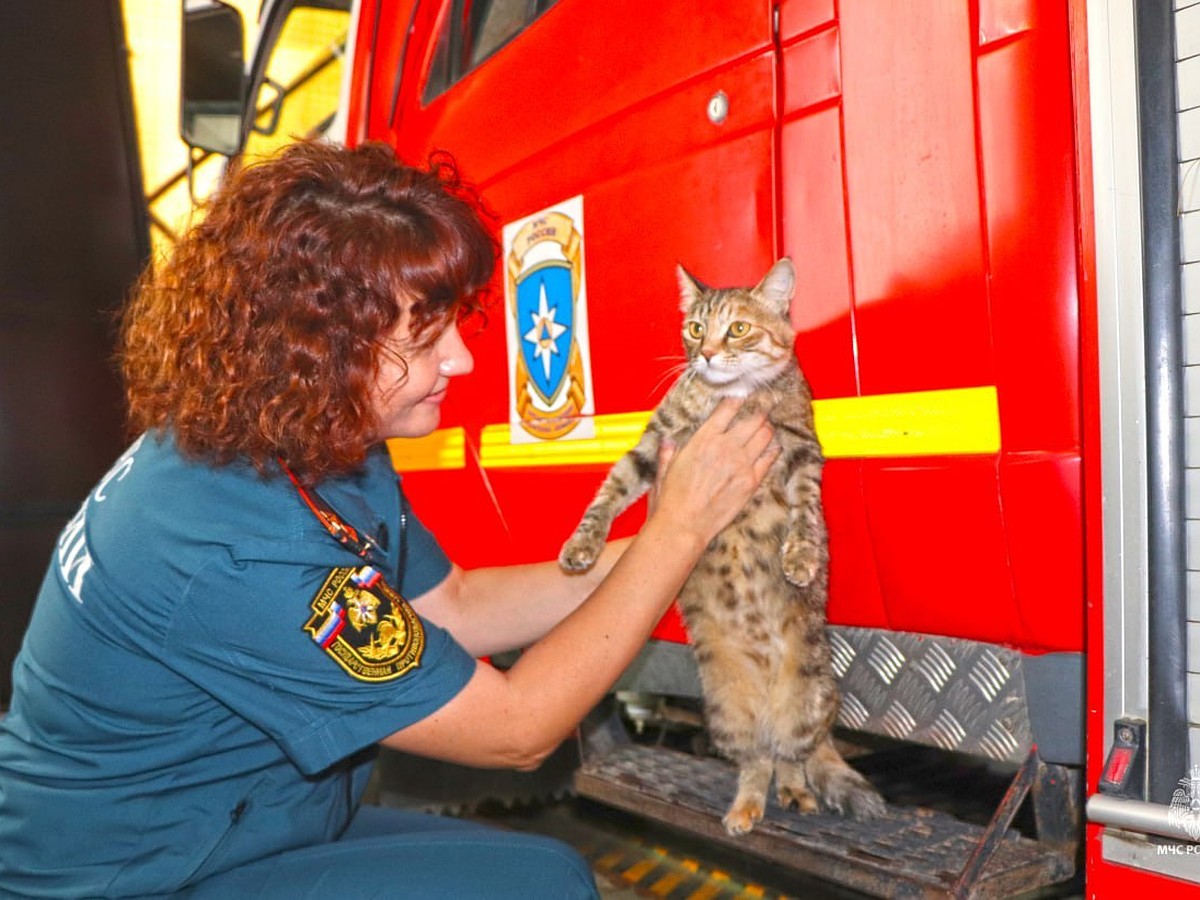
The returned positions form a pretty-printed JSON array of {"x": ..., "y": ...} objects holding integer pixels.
[
  {"x": 920, "y": 423},
  {"x": 443, "y": 449},
  {"x": 666, "y": 884},
  {"x": 639, "y": 870},
  {"x": 706, "y": 891},
  {"x": 615, "y": 436}
]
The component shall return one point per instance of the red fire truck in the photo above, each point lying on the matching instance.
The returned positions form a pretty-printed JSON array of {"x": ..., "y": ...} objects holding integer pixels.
[{"x": 981, "y": 198}]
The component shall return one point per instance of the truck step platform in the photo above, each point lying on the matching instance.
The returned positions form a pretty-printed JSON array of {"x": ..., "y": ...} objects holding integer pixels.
[{"x": 911, "y": 852}]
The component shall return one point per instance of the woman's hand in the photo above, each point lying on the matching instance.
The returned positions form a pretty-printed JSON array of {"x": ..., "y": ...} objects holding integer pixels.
[{"x": 703, "y": 486}]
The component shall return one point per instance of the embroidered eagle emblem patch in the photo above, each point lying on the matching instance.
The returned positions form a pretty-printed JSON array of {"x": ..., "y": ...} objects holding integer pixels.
[{"x": 365, "y": 625}]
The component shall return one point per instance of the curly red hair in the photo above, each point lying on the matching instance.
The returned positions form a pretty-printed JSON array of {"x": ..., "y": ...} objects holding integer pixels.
[{"x": 260, "y": 336}]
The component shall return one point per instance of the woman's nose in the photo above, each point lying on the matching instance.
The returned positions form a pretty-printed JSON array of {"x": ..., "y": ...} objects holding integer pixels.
[{"x": 456, "y": 358}]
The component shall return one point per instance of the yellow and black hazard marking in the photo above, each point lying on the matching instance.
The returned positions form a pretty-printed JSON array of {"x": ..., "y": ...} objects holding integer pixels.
[{"x": 655, "y": 871}]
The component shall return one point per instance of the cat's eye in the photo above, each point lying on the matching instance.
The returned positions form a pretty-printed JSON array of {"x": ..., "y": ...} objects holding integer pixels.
[
  {"x": 739, "y": 329},
  {"x": 695, "y": 330}
]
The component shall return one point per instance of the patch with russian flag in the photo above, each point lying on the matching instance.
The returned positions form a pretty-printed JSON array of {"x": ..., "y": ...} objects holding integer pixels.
[
  {"x": 365, "y": 626},
  {"x": 366, "y": 577},
  {"x": 333, "y": 626}
]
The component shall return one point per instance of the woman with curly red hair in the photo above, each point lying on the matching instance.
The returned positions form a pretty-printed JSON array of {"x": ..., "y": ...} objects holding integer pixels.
[{"x": 245, "y": 605}]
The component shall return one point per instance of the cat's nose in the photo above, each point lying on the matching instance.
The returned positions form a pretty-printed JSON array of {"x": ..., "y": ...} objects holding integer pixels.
[{"x": 707, "y": 354}]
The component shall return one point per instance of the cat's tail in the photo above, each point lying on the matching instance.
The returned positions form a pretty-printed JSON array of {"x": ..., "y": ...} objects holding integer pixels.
[{"x": 838, "y": 787}]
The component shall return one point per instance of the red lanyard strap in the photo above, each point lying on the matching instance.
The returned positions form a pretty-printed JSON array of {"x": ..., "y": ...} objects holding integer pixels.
[{"x": 343, "y": 532}]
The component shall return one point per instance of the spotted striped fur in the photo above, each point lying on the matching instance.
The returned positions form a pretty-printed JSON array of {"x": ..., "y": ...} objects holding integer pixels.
[{"x": 755, "y": 602}]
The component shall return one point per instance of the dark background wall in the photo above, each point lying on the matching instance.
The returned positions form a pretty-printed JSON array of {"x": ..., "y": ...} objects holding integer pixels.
[{"x": 73, "y": 235}]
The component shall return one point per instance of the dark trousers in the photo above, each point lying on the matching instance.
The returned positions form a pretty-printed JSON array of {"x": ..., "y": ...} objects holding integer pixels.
[{"x": 392, "y": 853}]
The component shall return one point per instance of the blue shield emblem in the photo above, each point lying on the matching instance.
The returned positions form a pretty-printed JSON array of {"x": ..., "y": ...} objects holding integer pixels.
[{"x": 545, "y": 325}]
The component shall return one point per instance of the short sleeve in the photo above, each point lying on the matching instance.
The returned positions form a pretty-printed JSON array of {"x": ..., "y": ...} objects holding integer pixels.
[
  {"x": 320, "y": 657},
  {"x": 425, "y": 563}
]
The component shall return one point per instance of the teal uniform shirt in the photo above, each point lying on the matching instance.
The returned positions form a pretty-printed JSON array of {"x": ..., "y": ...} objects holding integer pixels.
[{"x": 204, "y": 672}]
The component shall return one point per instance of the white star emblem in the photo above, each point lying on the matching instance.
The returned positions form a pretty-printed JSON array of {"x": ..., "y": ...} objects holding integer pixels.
[{"x": 545, "y": 332}]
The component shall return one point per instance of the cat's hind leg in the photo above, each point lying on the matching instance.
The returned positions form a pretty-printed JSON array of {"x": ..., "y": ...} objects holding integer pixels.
[
  {"x": 791, "y": 787},
  {"x": 825, "y": 781},
  {"x": 750, "y": 802},
  {"x": 840, "y": 788},
  {"x": 733, "y": 677},
  {"x": 801, "y": 708},
  {"x": 810, "y": 773}
]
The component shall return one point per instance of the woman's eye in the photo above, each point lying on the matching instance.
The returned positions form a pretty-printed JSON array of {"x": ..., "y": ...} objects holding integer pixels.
[
  {"x": 739, "y": 329},
  {"x": 695, "y": 330}
]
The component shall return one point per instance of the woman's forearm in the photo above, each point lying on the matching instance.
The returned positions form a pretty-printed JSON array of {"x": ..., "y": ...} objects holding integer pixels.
[
  {"x": 569, "y": 670},
  {"x": 515, "y": 718},
  {"x": 493, "y": 610}
]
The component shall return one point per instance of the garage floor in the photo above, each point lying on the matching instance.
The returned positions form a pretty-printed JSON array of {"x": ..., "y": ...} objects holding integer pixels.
[{"x": 634, "y": 858}]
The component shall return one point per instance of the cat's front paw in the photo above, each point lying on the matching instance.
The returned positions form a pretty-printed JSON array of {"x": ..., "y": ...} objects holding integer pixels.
[
  {"x": 579, "y": 553},
  {"x": 800, "y": 561}
]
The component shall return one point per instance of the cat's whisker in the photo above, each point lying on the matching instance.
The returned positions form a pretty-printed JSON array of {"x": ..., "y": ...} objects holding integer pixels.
[{"x": 672, "y": 372}]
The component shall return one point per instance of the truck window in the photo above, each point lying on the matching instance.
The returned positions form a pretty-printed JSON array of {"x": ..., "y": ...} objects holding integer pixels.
[
  {"x": 472, "y": 31},
  {"x": 298, "y": 75}
]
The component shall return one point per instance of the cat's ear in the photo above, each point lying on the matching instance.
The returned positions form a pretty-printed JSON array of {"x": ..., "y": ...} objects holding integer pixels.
[
  {"x": 778, "y": 285},
  {"x": 689, "y": 288}
]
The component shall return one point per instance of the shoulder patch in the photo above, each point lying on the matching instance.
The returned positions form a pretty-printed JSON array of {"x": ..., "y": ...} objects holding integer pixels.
[{"x": 365, "y": 625}]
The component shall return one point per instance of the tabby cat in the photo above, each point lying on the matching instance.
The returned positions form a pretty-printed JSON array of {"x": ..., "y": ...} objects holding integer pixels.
[{"x": 755, "y": 602}]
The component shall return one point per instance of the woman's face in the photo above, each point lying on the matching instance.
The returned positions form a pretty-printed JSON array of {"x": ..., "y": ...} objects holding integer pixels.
[{"x": 408, "y": 395}]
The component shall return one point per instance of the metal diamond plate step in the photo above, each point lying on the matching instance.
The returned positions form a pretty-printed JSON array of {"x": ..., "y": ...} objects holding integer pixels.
[
  {"x": 950, "y": 693},
  {"x": 909, "y": 853}
]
